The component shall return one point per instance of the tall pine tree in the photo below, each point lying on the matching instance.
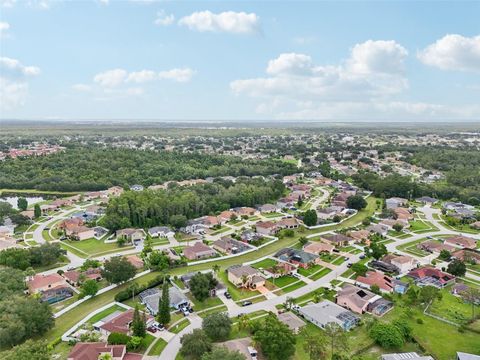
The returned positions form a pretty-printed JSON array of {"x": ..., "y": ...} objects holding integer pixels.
[
  {"x": 138, "y": 324},
  {"x": 164, "y": 305}
]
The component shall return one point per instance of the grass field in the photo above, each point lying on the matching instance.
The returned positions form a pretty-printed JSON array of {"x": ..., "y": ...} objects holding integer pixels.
[{"x": 105, "y": 313}]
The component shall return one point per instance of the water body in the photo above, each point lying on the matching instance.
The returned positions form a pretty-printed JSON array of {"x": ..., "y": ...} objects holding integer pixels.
[{"x": 13, "y": 200}]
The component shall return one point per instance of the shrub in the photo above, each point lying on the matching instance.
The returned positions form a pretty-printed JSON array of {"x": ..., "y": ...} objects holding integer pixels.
[
  {"x": 419, "y": 321},
  {"x": 118, "y": 339}
]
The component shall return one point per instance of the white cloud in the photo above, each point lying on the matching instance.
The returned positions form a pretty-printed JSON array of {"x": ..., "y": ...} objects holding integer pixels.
[
  {"x": 453, "y": 52},
  {"x": 179, "y": 75},
  {"x": 111, "y": 78},
  {"x": 374, "y": 69},
  {"x": 164, "y": 19},
  {"x": 13, "y": 82},
  {"x": 296, "y": 85},
  {"x": 377, "y": 57},
  {"x": 228, "y": 21},
  {"x": 142, "y": 76},
  {"x": 4, "y": 27}
]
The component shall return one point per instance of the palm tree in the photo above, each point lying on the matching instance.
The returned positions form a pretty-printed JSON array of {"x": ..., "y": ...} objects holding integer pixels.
[
  {"x": 216, "y": 268},
  {"x": 274, "y": 270},
  {"x": 244, "y": 281}
]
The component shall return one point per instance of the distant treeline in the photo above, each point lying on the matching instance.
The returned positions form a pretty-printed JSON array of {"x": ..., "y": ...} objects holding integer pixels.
[
  {"x": 97, "y": 168},
  {"x": 174, "y": 207}
]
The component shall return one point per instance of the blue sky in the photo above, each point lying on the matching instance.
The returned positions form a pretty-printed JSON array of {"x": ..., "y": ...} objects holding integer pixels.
[{"x": 172, "y": 60}]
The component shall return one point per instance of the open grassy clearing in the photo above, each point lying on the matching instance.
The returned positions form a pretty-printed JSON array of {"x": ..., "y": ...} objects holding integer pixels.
[
  {"x": 264, "y": 264},
  {"x": 157, "y": 347}
]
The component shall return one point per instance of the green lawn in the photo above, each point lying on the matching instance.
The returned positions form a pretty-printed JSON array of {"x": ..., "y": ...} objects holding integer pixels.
[
  {"x": 105, "y": 313},
  {"x": 221, "y": 230},
  {"x": 411, "y": 247},
  {"x": 207, "y": 303},
  {"x": 157, "y": 348},
  {"x": 290, "y": 288},
  {"x": 205, "y": 313},
  {"x": 264, "y": 264},
  {"x": 146, "y": 342},
  {"x": 416, "y": 225},
  {"x": 310, "y": 270},
  {"x": 179, "y": 326},
  {"x": 93, "y": 247},
  {"x": 283, "y": 281},
  {"x": 271, "y": 215},
  {"x": 451, "y": 308},
  {"x": 320, "y": 274}
]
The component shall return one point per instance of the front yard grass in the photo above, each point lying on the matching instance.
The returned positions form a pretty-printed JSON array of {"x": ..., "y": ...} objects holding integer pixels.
[
  {"x": 237, "y": 293},
  {"x": 157, "y": 348},
  {"x": 207, "y": 303},
  {"x": 179, "y": 326},
  {"x": 103, "y": 314}
]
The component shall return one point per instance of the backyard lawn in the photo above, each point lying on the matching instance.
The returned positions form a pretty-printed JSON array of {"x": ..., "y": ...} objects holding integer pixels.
[
  {"x": 264, "y": 264},
  {"x": 105, "y": 313},
  {"x": 94, "y": 247}
]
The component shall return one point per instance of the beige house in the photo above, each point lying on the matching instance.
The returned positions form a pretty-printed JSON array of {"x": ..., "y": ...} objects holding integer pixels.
[
  {"x": 245, "y": 276},
  {"x": 318, "y": 248},
  {"x": 198, "y": 251}
]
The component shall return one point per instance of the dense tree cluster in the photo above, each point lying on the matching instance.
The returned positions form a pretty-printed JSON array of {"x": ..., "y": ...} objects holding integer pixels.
[
  {"x": 21, "y": 317},
  {"x": 43, "y": 255},
  {"x": 173, "y": 207},
  {"x": 94, "y": 168}
]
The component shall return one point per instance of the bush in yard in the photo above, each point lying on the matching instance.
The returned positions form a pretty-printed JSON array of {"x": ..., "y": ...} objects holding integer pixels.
[
  {"x": 222, "y": 353},
  {"x": 118, "y": 338},
  {"x": 310, "y": 217},
  {"x": 457, "y": 268},
  {"x": 118, "y": 270},
  {"x": 356, "y": 202},
  {"x": 387, "y": 335}
]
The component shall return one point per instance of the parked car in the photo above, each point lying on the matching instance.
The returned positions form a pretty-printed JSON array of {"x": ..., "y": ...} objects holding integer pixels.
[
  {"x": 159, "y": 327},
  {"x": 246, "y": 303},
  {"x": 349, "y": 265},
  {"x": 362, "y": 256},
  {"x": 152, "y": 329},
  {"x": 227, "y": 295}
]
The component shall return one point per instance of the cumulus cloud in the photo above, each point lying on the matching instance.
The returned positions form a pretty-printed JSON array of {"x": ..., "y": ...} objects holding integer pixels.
[
  {"x": 373, "y": 69},
  {"x": 164, "y": 19},
  {"x": 296, "y": 86},
  {"x": 453, "y": 52},
  {"x": 228, "y": 21},
  {"x": 14, "y": 82},
  {"x": 142, "y": 76},
  {"x": 111, "y": 78},
  {"x": 179, "y": 75}
]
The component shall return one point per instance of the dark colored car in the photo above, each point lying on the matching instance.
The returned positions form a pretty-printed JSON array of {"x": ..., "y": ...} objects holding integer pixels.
[{"x": 227, "y": 295}]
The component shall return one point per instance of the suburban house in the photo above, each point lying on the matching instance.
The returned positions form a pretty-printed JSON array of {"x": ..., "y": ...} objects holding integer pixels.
[
  {"x": 131, "y": 235},
  {"x": 245, "y": 276},
  {"x": 427, "y": 200},
  {"x": 462, "y": 241},
  {"x": 288, "y": 223},
  {"x": 390, "y": 223},
  {"x": 282, "y": 268},
  {"x": 297, "y": 257},
  {"x": 52, "y": 288},
  {"x": 245, "y": 211},
  {"x": 329, "y": 212},
  {"x": 6, "y": 232},
  {"x": 135, "y": 260},
  {"x": 326, "y": 312},
  {"x": 80, "y": 232},
  {"x": 337, "y": 239},
  {"x": 467, "y": 255},
  {"x": 378, "y": 229},
  {"x": 435, "y": 247},
  {"x": 196, "y": 226},
  {"x": 266, "y": 227},
  {"x": 403, "y": 214},
  {"x": 360, "y": 235},
  {"x": 361, "y": 301},
  {"x": 249, "y": 236},
  {"x": 161, "y": 231},
  {"x": 404, "y": 263},
  {"x": 395, "y": 202},
  {"x": 318, "y": 247},
  {"x": 267, "y": 208},
  {"x": 431, "y": 276},
  {"x": 121, "y": 323},
  {"x": 384, "y": 282},
  {"x": 198, "y": 251},
  {"x": 74, "y": 277},
  {"x": 293, "y": 322},
  {"x": 226, "y": 216},
  {"x": 151, "y": 297},
  {"x": 228, "y": 245},
  {"x": 93, "y": 351}
]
